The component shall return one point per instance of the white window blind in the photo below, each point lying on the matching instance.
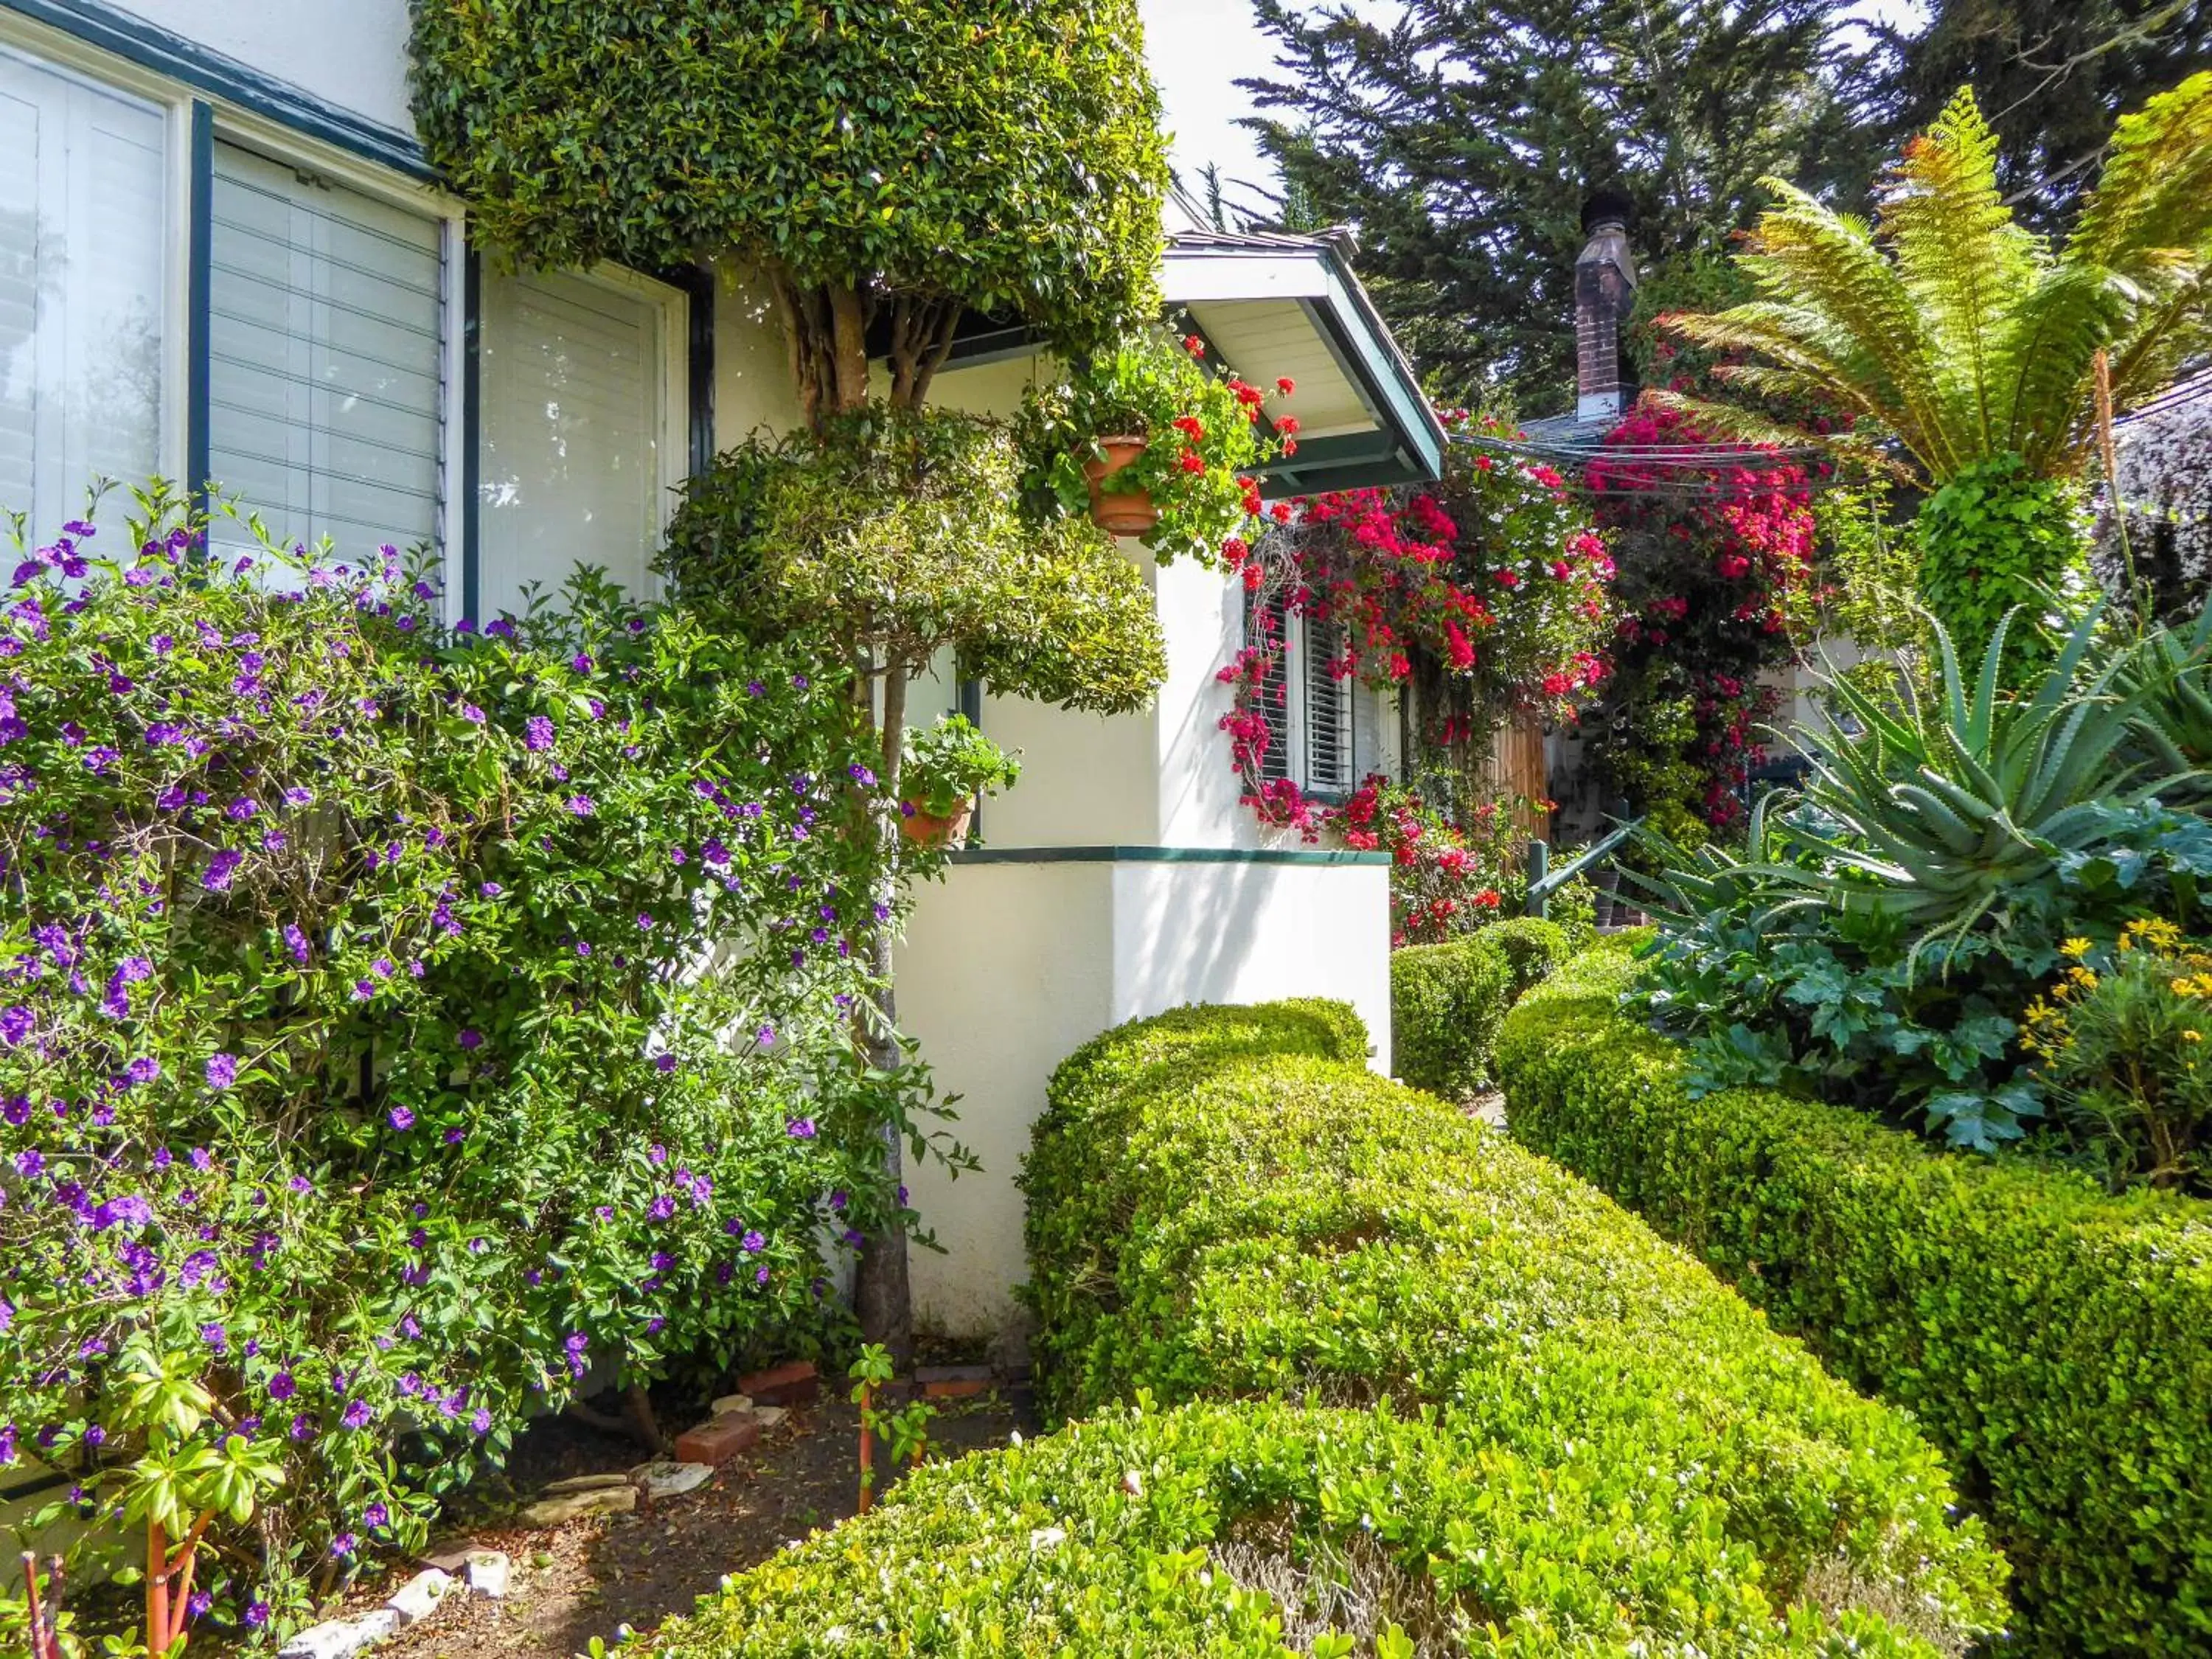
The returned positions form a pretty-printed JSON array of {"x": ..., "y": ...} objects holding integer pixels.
[
  {"x": 326, "y": 358},
  {"x": 1328, "y": 710},
  {"x": 82, "y": 230},
  {"x": 576, "y": 416},
  {"x": 1308, "y": 707}
]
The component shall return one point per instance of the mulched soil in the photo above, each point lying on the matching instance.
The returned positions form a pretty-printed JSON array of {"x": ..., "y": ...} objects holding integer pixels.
[{"x": 590, "y": 1577}]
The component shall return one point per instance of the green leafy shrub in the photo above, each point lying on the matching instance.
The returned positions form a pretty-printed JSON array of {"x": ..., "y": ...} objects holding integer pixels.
[
  {"x": 2056, "y": 1341},
  {"x": 1447, "y": 1000},
  {"x": 359, "y": 1089},
  {"x": 1993, "y": 539},
  {"x": 1885, "y": 934},
  {"x": 1264, "y": 1531},
  {"x": 1222, "y": 1204},
  {"x": 879, "y": 161}
]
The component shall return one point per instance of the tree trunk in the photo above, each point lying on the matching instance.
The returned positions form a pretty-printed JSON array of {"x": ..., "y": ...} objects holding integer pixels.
[{"x": 882, "y": 1297}]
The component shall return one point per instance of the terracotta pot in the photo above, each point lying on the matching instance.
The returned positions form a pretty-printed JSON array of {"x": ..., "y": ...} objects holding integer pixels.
[
  {"x": 925, "y": 829},
  {"x": 1122, "y": 511}
]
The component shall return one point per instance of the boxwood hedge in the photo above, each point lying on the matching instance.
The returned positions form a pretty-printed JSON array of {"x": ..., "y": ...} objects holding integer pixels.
[
  {"x": 1245, "y": 1531},
  {"x": 1522, "y": 1425},
  {"x": 2055, "y": 1340},
  {"x": 1447, "y": 1000},
  {"x": 1222, "y": 1204}
]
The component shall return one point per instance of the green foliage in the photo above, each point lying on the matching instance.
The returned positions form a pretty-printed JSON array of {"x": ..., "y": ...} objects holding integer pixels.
[
  {"x": 358, "y": 1073},
  {"x": 2120, "y": 1047},
  {"x": 952, "y": 762},
  {"x": 2056, "y": 1341},
  {"x": 1001, "y": 155},
  {"x": 1201, "y": 427},
  {"x": 1268, "y": 1531},
  {"x": 1871, "y": 592},
  {"x": 1447, "y": 1000},
  {"x": 1994, "y": 539},
  {"x": 893, "y": 535},
  {"x": 2054, "y": 73},
  {"x": 1222, "y": 1204},
  {"x": 1959, "y": 332},
  {"x": 1463, "y": 141}
]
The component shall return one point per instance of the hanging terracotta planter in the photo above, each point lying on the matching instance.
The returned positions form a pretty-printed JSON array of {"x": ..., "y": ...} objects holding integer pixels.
[
  {"x": 925, "y": 829},
  {"x": 1121, "y": 512}
]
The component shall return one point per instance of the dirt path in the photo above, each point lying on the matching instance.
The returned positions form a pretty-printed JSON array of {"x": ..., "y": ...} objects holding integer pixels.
[{"x": 590, "y": 1577}]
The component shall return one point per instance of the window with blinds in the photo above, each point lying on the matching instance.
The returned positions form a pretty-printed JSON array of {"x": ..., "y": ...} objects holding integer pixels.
[
  {"x": 326, "y": 356},
  {"x": 1308, "y": 707},
  {"x": 83, "y": 227},
  {"x": 572, "y": 462}
]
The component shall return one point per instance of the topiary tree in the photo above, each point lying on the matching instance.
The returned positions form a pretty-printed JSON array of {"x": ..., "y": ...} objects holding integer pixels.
[
  {"x": 883, "y": 541},
  {"x": 888, "y": 164}
]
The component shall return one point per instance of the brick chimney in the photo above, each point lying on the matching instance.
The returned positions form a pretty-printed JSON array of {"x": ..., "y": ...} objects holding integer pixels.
[{"x": 1605, "y": 292}]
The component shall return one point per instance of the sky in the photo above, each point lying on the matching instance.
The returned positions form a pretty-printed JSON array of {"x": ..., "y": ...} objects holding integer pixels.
[{"x": 1198, "y": 48}]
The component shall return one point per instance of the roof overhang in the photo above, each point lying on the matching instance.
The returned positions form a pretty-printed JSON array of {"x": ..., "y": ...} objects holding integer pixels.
[{"x": 1276, "y": 306}]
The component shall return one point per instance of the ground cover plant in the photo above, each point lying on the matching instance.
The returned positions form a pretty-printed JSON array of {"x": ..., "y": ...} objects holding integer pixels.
[
  {"x": 396, "y": 1024},
  {"x": 2052, "y": 1338}
]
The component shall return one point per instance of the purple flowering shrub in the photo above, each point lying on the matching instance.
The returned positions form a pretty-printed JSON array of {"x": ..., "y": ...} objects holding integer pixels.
[{"x": 395, "y": 1024}]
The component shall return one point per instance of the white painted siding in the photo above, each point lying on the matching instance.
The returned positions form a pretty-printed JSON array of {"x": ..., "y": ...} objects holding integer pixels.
[{"x": 348, "y": 54}]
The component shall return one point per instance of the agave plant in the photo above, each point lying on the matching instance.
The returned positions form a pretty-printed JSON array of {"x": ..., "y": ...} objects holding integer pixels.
[
  {"x": 2167, "y": 675},
  {"x": 1939, "y": 811},
  {"x": 1963, "y": 334}
]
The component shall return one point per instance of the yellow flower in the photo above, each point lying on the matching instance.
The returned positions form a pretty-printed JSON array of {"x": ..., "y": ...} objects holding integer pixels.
[
  {"x": 2075, "y": 947},
  {"x": 2084, "y": 977},
  {"x": 2192, "y": 1037},
  {"x": 2155, "y": 931}
]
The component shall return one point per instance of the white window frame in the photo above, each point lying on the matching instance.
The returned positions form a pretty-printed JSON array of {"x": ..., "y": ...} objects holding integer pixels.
[
  {"x": 1303, "y": 643},
  {"x": 674, "y": 305},
  {"x": 62, "y": 52}
]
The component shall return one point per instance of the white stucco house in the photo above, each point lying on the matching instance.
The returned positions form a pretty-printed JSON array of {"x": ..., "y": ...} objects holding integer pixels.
[{"x": 222, "y": 257}]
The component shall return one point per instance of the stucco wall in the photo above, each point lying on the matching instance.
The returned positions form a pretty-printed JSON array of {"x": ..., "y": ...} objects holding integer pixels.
[
  {"x": 348, "y": 54},
  {"x": 1008, "y": 968}
]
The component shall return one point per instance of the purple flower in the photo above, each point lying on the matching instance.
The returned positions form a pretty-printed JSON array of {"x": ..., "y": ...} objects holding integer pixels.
[
  {"x": 241, "y": 809},
  {"x": 222, "y": 1071},
  {"x": 665, "y": 1062},
  {"x": 303, "y": 1427},
  {"x": 144, "y": 1069},
  {"x": 16, "y": 1024},
  {"x": 581, "y": 663},
  {"x": 217, "y": 877},
  {"x": 580, "y": 806},
  {"x": 199, "y": 1602},
  {"x": 481, "y": 1422},
  {"x": 491, "y": 890},
  {"x": 538, "y": 735},
  {"x": 296, "y": 942},
  {"x": 376, "y": 1518},
  {"x": 256, "y": 1614},
  {"x": 357, "y": 1415},
  {"x": 343, "y": 1545},
  {"x": 469, "y": 1038},
  {"x": 214, "y": 1336},
  {"x": 766, "y": 1035},
  {"x": 297, "y": 795},
  {"x": 281, "y": 1386},
  {"x": 753, "y": 1242},
  {"x": 862, "y": 776},
  {"x": 800, "y": 1128},
  {"x": 473, "y": 715},
  {"x": 403, "y": 1118}
]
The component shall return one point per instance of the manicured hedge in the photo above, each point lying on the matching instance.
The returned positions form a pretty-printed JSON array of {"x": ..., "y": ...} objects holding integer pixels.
[
  {"x": 2058, "y": 1342},
  {"x": 1232, "y": 1530},
  {"x": 1222, "y": 1204},
  {"x": 1447, "y": 1001}
]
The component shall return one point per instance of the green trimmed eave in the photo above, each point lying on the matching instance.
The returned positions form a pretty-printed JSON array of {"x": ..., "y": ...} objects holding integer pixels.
[{"x": 1274, "y": 305}]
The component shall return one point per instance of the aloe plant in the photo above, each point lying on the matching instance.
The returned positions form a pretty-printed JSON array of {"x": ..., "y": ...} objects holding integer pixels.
[
  {"x": 1941, "y": 809},
  {"x": 2168, "y": 675}
]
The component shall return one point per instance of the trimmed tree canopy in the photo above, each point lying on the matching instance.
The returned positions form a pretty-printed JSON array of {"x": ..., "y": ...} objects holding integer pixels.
[{"x": 999, "y": 154}]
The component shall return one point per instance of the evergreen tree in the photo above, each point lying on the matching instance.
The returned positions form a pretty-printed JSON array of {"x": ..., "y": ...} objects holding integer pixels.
[
  {"x": 2050, "y": 76},
  {"x": 1462, "y": 139}
]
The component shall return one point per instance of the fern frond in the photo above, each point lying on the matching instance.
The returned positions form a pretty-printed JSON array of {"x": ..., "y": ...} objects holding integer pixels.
[
  {"x": 2044, "y": 362},
  {"x": 2156, "y": 191},
  {"x": 1961, "y": 257},
  {"x": 1818, "y": 264}
]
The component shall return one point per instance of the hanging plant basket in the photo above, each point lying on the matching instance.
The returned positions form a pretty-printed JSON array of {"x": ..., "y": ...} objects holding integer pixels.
[
  {"x": 926, "y": 829},
  {"x": 1121, "y": 512}
]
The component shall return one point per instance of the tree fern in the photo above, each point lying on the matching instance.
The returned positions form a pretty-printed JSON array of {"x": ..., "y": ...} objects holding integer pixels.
[{"x": 1965, "y": 336}]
